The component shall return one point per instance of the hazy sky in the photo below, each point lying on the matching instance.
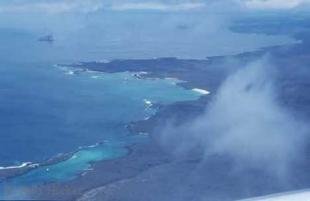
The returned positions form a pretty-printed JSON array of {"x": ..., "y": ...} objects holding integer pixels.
[
  {"x": 109, "y": 29},
  {"x": 56, "y": 6}
]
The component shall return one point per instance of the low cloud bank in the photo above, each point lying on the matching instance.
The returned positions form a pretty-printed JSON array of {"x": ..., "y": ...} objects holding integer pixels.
[
  {"x": 245, "y": 122},
  {"x": 274, "y": 4},
  {"x": 87, "y": 6}
]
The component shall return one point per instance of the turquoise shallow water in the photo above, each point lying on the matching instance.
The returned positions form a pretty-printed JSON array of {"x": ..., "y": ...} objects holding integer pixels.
[
  {"x": 47, "y": 110},
  {"x": 70, "y": 168}
]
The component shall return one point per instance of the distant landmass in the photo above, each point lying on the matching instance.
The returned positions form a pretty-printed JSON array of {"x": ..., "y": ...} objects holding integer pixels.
[{"x": 47, "y": 38}]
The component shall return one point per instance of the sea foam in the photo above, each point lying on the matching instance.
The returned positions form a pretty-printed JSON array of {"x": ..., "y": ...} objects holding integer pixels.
[
  {"x": 201, "y": 91},
  {"x": 25, "y": 164}
]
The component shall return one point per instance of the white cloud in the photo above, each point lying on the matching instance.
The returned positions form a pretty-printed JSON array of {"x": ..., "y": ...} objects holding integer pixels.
[
  {"x": 157, "y": 6},
  {"x": 57, "y": 6},
  {"x": 274, "y": 4},
  {"x": 60, "y": 6},
  {"x": 245, "y": 121}
]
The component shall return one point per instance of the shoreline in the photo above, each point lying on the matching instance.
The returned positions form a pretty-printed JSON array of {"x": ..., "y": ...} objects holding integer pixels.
[
  {"x": 144, "y": 157},
  {"x": 195, "y": 79},
  {"x": 11, "y": 172},
  {"x": 140, "y": 75}
]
